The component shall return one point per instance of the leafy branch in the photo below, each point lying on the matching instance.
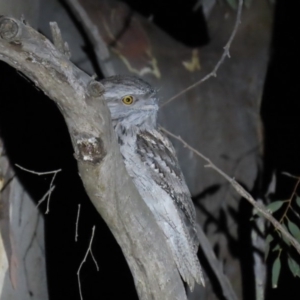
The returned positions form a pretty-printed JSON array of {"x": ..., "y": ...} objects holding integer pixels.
[
  {"x": 290, "y": 235},
  {"x": 262, "y": 209},
  {"x": 290, "y": 226}
]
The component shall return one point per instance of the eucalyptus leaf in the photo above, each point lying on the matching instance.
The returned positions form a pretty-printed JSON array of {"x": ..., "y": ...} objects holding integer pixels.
[
  {"x": 294, "y": 266},
  {"x": 274, "y": 206},
  {"x": 294, "y": 230},
  {"x": 255, "y": 214},
  {"x": 267, "y": 249},
  {"x": 298, "y": 200},
  {"x": 283, "y": 238},
  {"x": 277, "y": 247},
  {"x": 275, "y": 272},
  {"x": 269, "y": 239}
]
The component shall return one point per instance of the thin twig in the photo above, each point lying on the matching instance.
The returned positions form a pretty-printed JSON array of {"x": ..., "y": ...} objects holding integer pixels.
[
  {"x": 261, "y": 208},
  {"x": 290, "y": 175},
  {"x": 37, "y": 173},
  {"x": 296, "y": 214},
  {"x": 58, "y": 41},
  {"x": 51, "y": 188},
  {"x": 94, "y": 259},
  {"x": 48, "y": 193},
  {"x": 77, "y": 220},
  {"x": 89, "y": 250},
  {"x": 51, "y": 184},
  {"x": 213, "y": 73},
  {"x": 290, "y": 201},
  {"x": 4, "y": 184}
]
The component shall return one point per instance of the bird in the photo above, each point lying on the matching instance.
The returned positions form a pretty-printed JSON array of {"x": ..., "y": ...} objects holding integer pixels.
[{"x": 151, "y": 162}]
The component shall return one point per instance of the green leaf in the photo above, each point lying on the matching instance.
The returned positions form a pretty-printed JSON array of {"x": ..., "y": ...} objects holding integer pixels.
[
  {"x": 267, "y": 249},
  {"x": 255, "y": 214},
  {"x": 298, "y": 200},
  {"x": 294, "y": 267},
  {"x": 269, "y": 239},
  {"x": 275, "y": 272},
  {"x": 277, "y": 247},
  {"x": 294, "y": 229},
  {"x": 284, "y": 238},
  {"x": 232, "y": 4},
  {"x": 274, "y": 206}
]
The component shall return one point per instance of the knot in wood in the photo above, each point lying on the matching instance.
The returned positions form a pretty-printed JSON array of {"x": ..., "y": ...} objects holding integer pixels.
[
  {"x": 95, "y": 88},
  {"x": 90, "y": 149},
  {"x": 9, "y": 29}
]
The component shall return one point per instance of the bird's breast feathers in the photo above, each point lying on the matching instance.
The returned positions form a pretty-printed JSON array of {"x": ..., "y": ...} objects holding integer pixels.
[{"x": 151, "y": 161}]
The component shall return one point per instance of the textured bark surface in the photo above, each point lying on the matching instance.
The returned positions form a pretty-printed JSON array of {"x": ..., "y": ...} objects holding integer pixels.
[{"x": 99, "y": 161}]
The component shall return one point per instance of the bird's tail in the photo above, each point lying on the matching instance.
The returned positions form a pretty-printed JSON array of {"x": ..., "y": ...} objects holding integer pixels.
[{"x": 187, "y": 261}]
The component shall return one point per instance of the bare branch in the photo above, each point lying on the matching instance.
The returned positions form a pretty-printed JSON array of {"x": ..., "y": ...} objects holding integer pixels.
[
  {"x": 46, "y": 196},
  {"x": 89, "y": 250},
  {"x": 58, "y": 41},
  {"x": 241, "y": 191},
  {"x": 77, "y": 221},
  {"x": 38, "y": 173},
  {"x": 213, "y": 73},
  {"x": 51, "y": 188},
  {"x": 289, "y": 201}
]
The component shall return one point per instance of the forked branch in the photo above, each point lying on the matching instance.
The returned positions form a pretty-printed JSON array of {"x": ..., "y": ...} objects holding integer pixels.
[{"x": 225, "y": 54}]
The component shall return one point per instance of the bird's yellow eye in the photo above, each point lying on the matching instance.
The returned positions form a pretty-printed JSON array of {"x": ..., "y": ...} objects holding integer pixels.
[{"x": 127, "y": 100}]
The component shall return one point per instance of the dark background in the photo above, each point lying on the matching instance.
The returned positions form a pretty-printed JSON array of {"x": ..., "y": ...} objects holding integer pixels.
[{"x": 36, "y": 137}]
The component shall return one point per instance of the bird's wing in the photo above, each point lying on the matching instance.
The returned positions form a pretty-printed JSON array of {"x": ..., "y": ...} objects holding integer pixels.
[{"x": 157, "y": 152}]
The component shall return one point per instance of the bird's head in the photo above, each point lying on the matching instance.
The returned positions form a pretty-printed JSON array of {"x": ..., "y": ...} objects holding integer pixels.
[{"x": 131, "y": 101}]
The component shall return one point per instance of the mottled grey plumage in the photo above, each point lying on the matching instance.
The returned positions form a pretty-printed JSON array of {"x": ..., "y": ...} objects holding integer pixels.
[{"x": 151, "y": 162}]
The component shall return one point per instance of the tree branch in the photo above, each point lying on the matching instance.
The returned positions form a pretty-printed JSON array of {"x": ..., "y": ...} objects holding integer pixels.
[
  {"x": 100, "y": 164},
  {"x": 213, "y": 73},
  {"x": 260, "y": 207}
]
